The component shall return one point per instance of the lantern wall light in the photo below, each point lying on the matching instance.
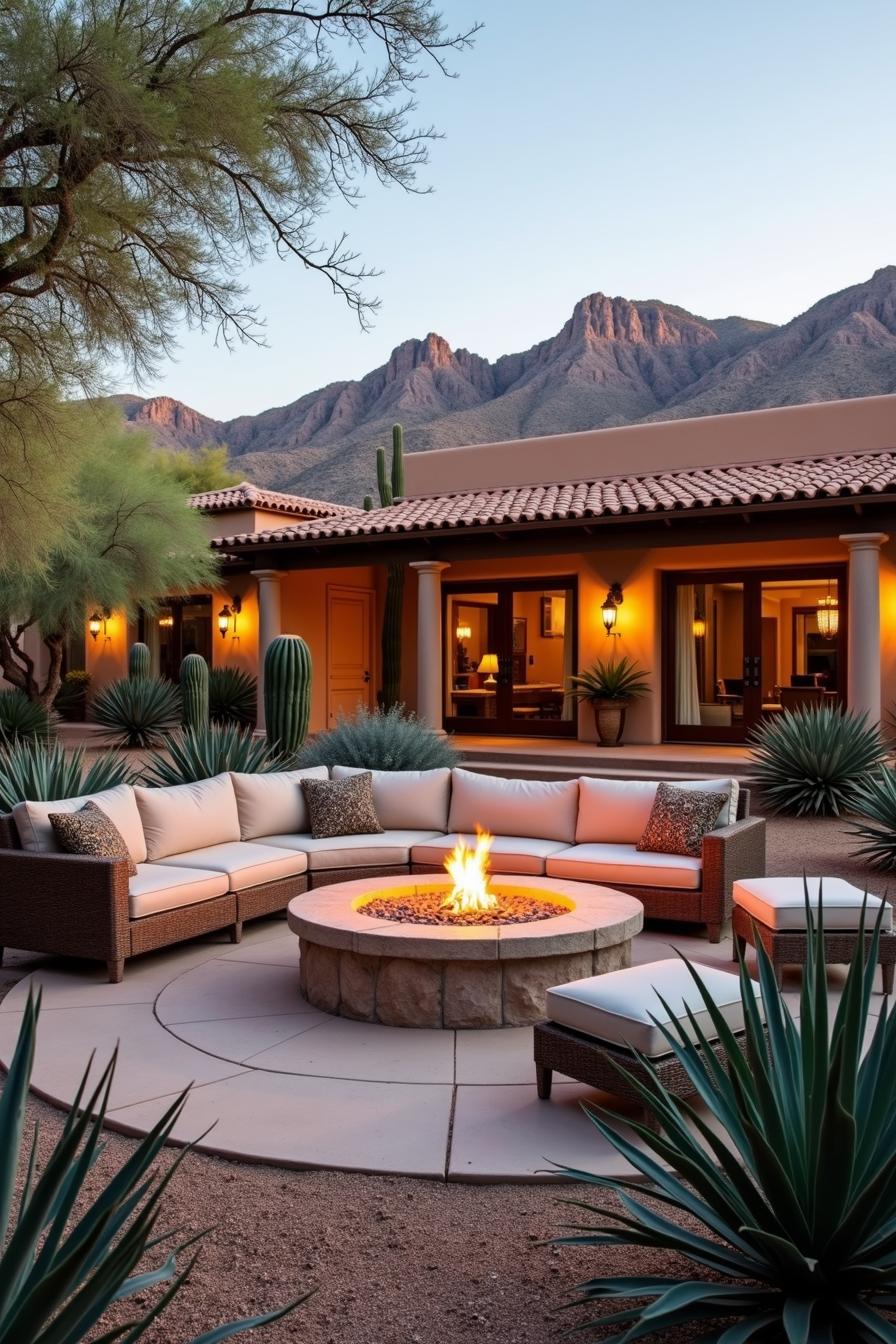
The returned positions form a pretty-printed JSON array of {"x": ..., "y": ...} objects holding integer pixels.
[
  {"x": 228, "y": 614},
  {"x": 98, "y": 621},
  {"x": 609, "y": 608}
]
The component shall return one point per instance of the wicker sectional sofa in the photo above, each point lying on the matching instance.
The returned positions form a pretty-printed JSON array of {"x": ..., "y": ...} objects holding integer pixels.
[{"x": 213, "y": 854}]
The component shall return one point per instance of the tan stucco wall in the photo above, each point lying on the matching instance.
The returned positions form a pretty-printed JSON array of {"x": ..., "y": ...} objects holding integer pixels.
[{"x": 864, "y": 424}]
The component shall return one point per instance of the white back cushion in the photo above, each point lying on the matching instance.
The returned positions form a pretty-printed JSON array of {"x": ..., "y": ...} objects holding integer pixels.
[
  {"x": 273, "y": 804},
  {"x": 615, "y": 811},
  {"x": 407, "y": 800},
  {"x": 527, "y": 807},
  {"x": 188, "y": 816},
  {"x": 37, "y": 835}
]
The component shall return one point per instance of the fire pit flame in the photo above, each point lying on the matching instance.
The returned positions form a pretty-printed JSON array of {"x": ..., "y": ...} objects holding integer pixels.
[{"x": 469, "y": 871}]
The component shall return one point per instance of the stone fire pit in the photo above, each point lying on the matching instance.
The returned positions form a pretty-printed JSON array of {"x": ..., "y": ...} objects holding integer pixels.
[{"x": 425, "y": 975}]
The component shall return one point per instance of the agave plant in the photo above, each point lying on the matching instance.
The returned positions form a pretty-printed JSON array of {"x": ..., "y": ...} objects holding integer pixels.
[
  {"x": 875, "y": 801},
  {"x": 138, "y": 713},
  {"x": 67, "y": 1257},
  {"x": 791, "y": 1180},
  {"x": 613, "y": 679},
  {"x": 21, "y": 719},
  {"x": 40, "y": 772},
  {"x": 199, "y": 753},
  {"x": 814, "y": 760},
  {"x": 232, "y": 696},
  {"x": 384, "y": 739}
]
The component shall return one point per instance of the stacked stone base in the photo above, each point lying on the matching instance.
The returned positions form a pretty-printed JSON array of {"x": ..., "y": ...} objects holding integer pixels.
[{"x": 401, "y": 992}]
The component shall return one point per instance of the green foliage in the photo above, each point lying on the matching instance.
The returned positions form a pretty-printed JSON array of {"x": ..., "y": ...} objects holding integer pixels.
[
  {"x": 21, "y": 719},
  {"x": 200, "y": 471},
  {"x": 200, "y": 753},
  {"x": 812, "y": 761},
  {"x": 789, "y": 1180},
  {"x": 194, "y": 691},
  {"x": 614, "y": 679},
  {"x": 382, "y": 479},
  {"x": 138, "y": 713},
  {"x": 875, "y": 801},
  {"x": 368, "y": 503},
  {"x": 71, "y": 698},
  {"x": 397, "y": 462},
  {"x": 287, "y": 693},
  {"x": 388, "y": 739},
  {"x": 232, "y": 696},
  {"x": 70, "y": 1253},
  {"x": 139, "y": 662},
  {"x": 40, "y": 772},
  {"x": 390, "y": 483}
]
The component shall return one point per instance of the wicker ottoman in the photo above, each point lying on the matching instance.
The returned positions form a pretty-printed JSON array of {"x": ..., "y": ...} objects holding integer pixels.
[
  {"x": 596, "y": 1024},
  {"x": 774, "y": 910}
]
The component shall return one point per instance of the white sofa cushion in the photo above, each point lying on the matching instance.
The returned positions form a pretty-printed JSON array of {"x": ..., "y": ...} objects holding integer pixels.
[
  {"x": 780, "y": 902},
  {"x": 527, "y": 807},
  {"x": 509, "y": 853},
  {"x": 185, "y": 817},
  {"x": 273, "y": 802},
  {"x": 246, "y": 863},
  {"x": 387, "y": 849},
  {"x": 156, "y": 887},
  {"x": 618, "y": 1006},
  {"x": 405, "y": 800},
  {"x": 615, "y": 811},
  {"x": 626, "y": 866},
  {"x": 119, "y": 804}
]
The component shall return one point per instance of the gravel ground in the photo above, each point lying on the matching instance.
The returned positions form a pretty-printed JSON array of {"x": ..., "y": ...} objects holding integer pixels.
[{"x": 393, "y": 1260}]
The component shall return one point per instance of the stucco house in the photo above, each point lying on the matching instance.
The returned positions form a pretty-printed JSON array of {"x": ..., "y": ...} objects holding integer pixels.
[{"x": 745, "y": 560}]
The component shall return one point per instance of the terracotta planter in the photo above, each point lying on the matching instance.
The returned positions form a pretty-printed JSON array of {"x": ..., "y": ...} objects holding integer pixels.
[{"x": 609, "y": 720}]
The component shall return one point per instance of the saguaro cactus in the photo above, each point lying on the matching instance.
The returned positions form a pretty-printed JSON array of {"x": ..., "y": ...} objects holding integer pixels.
[
  {"x": 391, "y": 487},
  {"x": 139, "y": 662},
  {"x": 194, "y": 691},
  {"x": 287, "y": 692}
]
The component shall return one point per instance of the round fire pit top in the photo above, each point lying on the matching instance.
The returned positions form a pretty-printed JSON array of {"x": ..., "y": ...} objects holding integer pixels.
[{"x": 588, "y": 918}]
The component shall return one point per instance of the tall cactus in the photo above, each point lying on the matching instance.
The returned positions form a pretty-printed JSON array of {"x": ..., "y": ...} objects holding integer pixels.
[
  {"x": 287, "y": 692},
  {"x": 194, "y": 691},
  {"x": 139, "y": 662},
  {"x": 391, "y": 487}
]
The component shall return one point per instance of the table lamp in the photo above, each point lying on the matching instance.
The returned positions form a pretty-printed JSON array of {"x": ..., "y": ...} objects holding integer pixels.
[{"x": 489, "y": 664}]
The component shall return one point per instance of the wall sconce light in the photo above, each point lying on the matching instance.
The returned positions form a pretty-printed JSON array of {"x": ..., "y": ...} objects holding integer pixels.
[
  {"x": 489, "y": 664},
  {"x": 608, "y": 610},
  {"x": 463, "y": 631},
  {"x": 229, "y": 612},
  {"x": 97, "y": 622},
  {"x": 699, "y": 626},
  {"x": 166, "y": 622}
]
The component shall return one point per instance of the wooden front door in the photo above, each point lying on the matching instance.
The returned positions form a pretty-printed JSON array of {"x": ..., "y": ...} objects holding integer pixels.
[{"x": 349, "y": 650}]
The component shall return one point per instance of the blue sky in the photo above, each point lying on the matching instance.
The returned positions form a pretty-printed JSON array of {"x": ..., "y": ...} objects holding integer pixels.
[{"x": 727, "y": 157}]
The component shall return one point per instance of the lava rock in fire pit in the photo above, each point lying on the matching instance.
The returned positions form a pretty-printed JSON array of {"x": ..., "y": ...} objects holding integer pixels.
[{"x": 428, "y": 907}]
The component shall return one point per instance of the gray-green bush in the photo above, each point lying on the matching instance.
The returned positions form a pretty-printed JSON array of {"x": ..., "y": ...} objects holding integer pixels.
[{"x": 390, "y": 739}]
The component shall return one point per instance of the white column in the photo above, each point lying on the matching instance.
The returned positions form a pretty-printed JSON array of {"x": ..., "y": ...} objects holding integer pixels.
[
  {"x": 269, "y": 623},
  {"x": 863, "y": 660},
  {"x": 429, "y": 641}
]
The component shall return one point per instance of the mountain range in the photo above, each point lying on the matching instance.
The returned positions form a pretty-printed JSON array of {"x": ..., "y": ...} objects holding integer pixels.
[{"x": 615, "y": 361}]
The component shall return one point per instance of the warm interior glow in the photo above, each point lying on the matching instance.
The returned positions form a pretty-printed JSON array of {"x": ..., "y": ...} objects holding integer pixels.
[
  {"x": 469, "y": 871},
  {"x": 828, "y": 617}
]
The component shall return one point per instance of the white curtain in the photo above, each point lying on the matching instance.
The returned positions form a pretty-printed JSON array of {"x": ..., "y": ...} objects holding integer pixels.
[
  {"x": 570, "y": 706},
  {"x": 687, "y": 693}
]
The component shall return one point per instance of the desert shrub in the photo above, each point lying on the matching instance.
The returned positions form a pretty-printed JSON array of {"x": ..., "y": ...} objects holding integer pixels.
[
  {"x": 22, "y": 720},
  {"x": 138, "y": 713},
  {"x": 783, "y": 1193},
  {"x": 812, "y": 761},
  {"x": 42, "y": 772},
  {"x": 199, "y": 753},
  {"x": 390, "y": 739},
  {"x": 232, "y": 696},
  {"x": 875, "y": 802},
  {"x": 71, "y": 698}
]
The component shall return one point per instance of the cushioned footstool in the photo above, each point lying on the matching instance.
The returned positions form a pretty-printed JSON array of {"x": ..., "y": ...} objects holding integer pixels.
[
  {"x": 774, "y": 910},
  {"x": 596, "y": 1024}
]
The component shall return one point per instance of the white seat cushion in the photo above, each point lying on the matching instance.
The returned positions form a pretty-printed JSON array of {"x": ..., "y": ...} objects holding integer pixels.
[
  {"x": 405, "y": 800},
  {"x": 780, "y": 902},
  {"x": 509, "y": 853},
  {"x": 626, "y": 865},
  {"x": 389, "y": 849},
  {"x": 188, "y": 816},
  {"x": 617, "y": 1007},
  {"x": 527, "y": 807},
  {"x": 156, "y": 887},
  {"x": 615, "y": 811},
  {"x": 273, "y": 802},
  {"x": 119, "y": 804},
  {"x": 246, "y": 863}
]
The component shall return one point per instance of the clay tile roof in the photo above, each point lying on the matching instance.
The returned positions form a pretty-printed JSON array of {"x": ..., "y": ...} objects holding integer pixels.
[
  {"x": 665, "y": 492},
  {"x": 249, "y": 496}
]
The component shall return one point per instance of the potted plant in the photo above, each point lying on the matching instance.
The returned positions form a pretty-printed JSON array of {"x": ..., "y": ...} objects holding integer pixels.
[{"x": 610, "y": 687}]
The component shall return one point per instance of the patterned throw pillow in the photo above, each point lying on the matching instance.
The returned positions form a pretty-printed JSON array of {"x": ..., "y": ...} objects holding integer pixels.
[
  {"x": 341, "y": 806},
  {"x": 90, "y": 831},
  {"x": 679, "y": 820}
]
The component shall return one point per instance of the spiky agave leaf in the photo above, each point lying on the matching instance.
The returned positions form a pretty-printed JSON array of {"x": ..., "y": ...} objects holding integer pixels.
[
  {"x": 390, "y": 739},
  {"x": 791, "y": 1179},
  {"x": 875, "y": 802},
  {"x": 138, "y": 713},
  {"x": 232, "y": 696},
  {"x": 812, "y": 761},
  {"x": 200, "y": 753},
  {"x": 41, "y": 772},
  {"x": 21, "y": 718},
  {"x": 613, "y": 679}
]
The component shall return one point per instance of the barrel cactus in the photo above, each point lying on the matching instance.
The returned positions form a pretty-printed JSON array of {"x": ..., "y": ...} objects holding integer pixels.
[
  {"x": 139, "y": 662},
  {"x": 194, "y": 690},
  {"x": 287, "y": 692}
]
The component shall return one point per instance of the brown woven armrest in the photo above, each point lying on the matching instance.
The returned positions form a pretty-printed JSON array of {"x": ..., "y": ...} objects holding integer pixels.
[
  {"x": 730, "y": 853},
  {"x": 66, "y": 904}
]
